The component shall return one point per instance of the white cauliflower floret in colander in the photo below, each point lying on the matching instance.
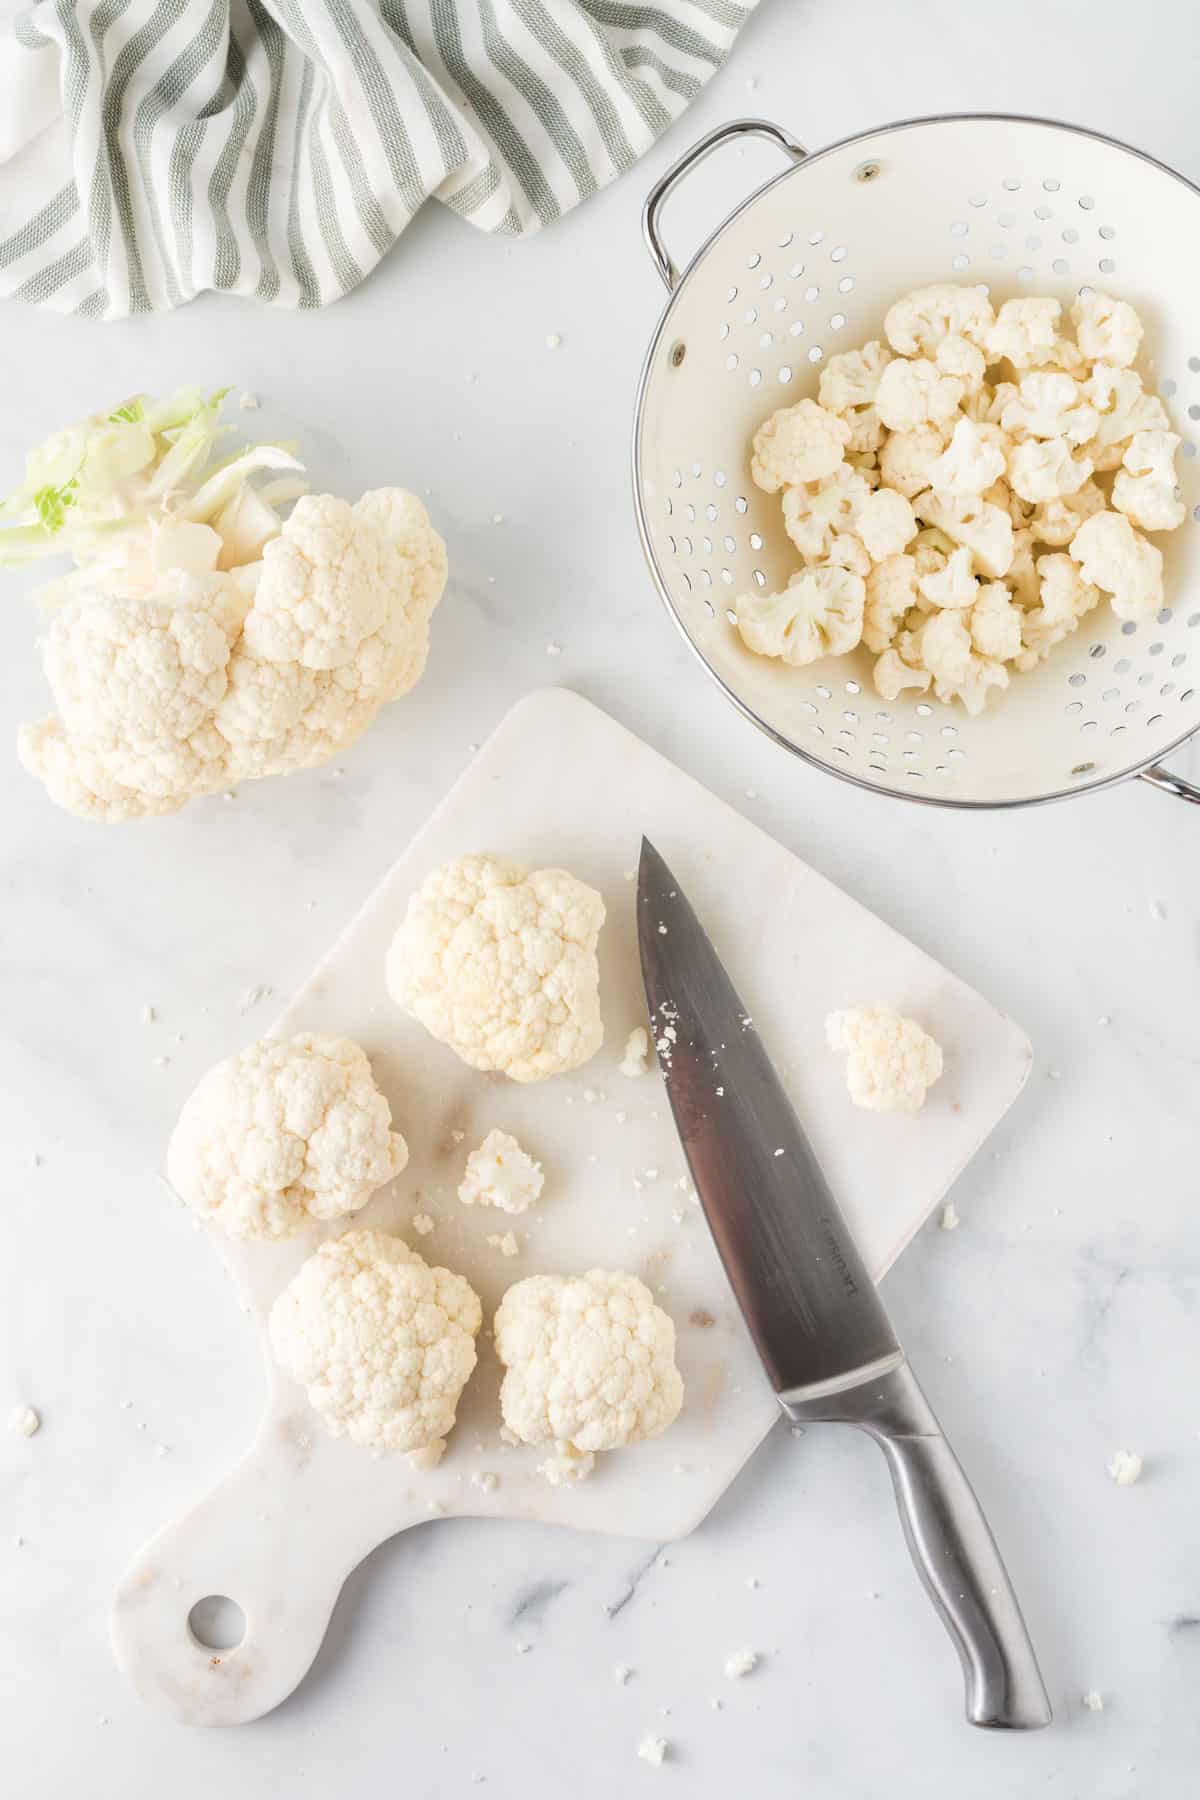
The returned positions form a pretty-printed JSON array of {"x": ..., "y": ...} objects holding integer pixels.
[
  {"x": 1049, "y": 404},
  {"x": 1121, "y": 561},
  {"x": 1044, "y": 469},
  {"x": 589, "y": 1362},
  {"x": 1124, "y": 408},
  {"x": 383, "y": 1343},
  {"x": 953, "y": 585},
  {"x": 984, "y": 529},
  {"x": 971, "y": 462},
  {"x": 907, "y": 458},
  {"x": 890, "y": 1062},
  {"x": 959, "y": 672},
  {"x": 1146, "y": 485},
  {"x": 500, "y": 964},
  {"x": 891, "y": 592},
  {"x": 815, "y": 512},
  {"x": 995, "y": 623},
  {"x": 289, "y": 1131},
  {"x": 797, "y": 443},
  {"x": 924, "y": 319},
  {"x": 819, "y": 613},
  {"x": 851, "y": 380},
  {"x": 913, "y": 394},
  {"x": 1106, "y": 330},
  {"x": 1025, "y": 332},
  {"x": 900, "y": 667},
  {"x": 1064, "y": 598}
]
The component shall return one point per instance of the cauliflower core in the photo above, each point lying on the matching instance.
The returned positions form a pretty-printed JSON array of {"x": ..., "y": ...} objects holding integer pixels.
[
  {"x": 178, "y": 680},
  {"x": 890, "y": 1061},
  {"x": 589, "y": 1365},
  {"x": 500, "y": 1174},
  {"x": 291, "y": 1130},
  {"x": 383, "y": 1343},
  {"x": 922, "y": 526},
  {"x": 500, "y": 964}
]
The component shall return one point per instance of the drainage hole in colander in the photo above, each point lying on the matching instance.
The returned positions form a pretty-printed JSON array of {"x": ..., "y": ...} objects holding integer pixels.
[
  {"x": 846, "y": 284},
  {"x": 1074, "y": 706},
  {"x": 1133, "y": 706},
  {"x": 706, "y": 544},
  {"x": 1167, "y": 387},
  {"x": 879, "y": 738},
  {"x": 673, "y": 544},
  {"x": 1083, "y": 768},
  {"x": 1025, "y": 274},
  {"x": 796, "y": 271},
  {"x": 1006, "y": 220},
  {"x": 851, "y": 718},
  {"x": 760, "y": 579},
  {"x": 756, "y": 542},
  {"x": 741, "y": 504},
  {"x": 914, "y": 737},
  {"x": 1111, "y": 694},
  {"x": 852, "y": 687},
  {"x": 885, "y": 718},
  {"x": 766, "y": 340},
  {"x": 1122, "y": 667},
  {"x": 687, "y": 582},
  {"x": 787, "y": 238},
  {"x": 878, "y": 768},
  {"x": 1107, "y": 232},
  {"x": 1189, "y": 449},
  {"x": 1194, "y": 619},
  {"x": 755, "y": 377},
  {"x": 838, "y": 254},
  {"x": 816, "y": 237},
  {"x": 1157, "y": 649},
  {"x": 1177, "y": 662},
  {"x": 670, "y": 505},
  {"x": 1162, "y": 616},
  {"x": 836, "y": 321},
  {"x": 691, "y": 513},
  {"x": 1076, "y": 680},
  {"x": 812, "y": 293},
  {"x": 1167, "y": 688},
  {"x": 710, "y": 609},
  {"x": 688, "y": 547},
  {"x": 1117, "y": 730},
  {"x": 1070, "y": 236},
  {"x": 728, "y": 543},
  {"x": 706, "y": 577},
  {"x": 722, "y": 334},
  {"x": 925, "y": 711},
  {"x": 1051, "y": 186},
  {"x": 1088, "y": 725},
  {"x": 784, "y": 375},
  {"x": 844, "y": 732},
  {"x": 727, "y": 577},
  {"x": 750, "y": 316},
  {"x": 816, "y": 353},
  {"x": 731, "y": 296},
  {"x": 1107, "y": 266},
  {"x": 1187, "y": 694},
  {"x": 1096, "y": 651},
  {"x": 807, "y": 706},
  {"x": 1033, "y": 242},
  {"x": 959, "y": 228},
  {"x": 1060, "y": 267},
  {"x": 710, "y": 513},
  {"x": 910, "y": 753},
  {"x": 824, "y": 692},
  {"x": 1128, "y": 628},
  {"x": 949, "y": 731},
  {"x": 1086, "y": 202},
  {"x": 766, "y": 281},
  {"x": 840, "y": 750},
  {"x": 998, "y": 252},
  {"x": 677, "y": 478},
  {"x": 731, "y": 615},
  {"x": 1145, "y": 680},
  {"x": 1043, "y": 213},
  {"x": 960, "y": 261},
  {"x": 914, "y": 774},
  {"x": 753, "y": 260},
  {"x": 1154, "y": 719},
  {"x": 796, "y": 329},
  {"x": 977, "y": 200},
  {"x": 779, "y": 305},
  {"x": 817, "y": 730}
]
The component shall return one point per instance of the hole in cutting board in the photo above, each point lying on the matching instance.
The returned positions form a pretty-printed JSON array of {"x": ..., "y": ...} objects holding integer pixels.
[{"x": 217, "y": 1622}]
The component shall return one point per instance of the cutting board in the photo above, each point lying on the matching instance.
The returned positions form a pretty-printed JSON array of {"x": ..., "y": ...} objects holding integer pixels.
[{"x": 560, "y": 784}]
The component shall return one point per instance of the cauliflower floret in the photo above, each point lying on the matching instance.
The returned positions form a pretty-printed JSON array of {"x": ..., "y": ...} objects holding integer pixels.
[
  {"x": 1049, "y": 404},
  {"x": 957, "y": 356},
  {"x": 1064, "y": 598},
  {"x": 899, "y": 668},
  {"x": 1118, "y": 559},
  {"x": 912, "y": 394},
  {"x": 634, "y": 1061},
  {"x": 1106, "y": 330},
  {"x": 959, "y": 671},
  {"x": 848, "y": 552},
  {"x": 290, "y": 1130},
  {"x": 1044, "y": 469},
  {"x": 797, "y": 443},
  {"x": 907, "y": 456},
  {"x": 866, "y": 434},
  {"x": 953, "y": 585},
  {"x": 885, "y": 524},
  {"x": 971, "y": 462},
  {"x": 1125, "y": 408},
  {"x": 500, "y": 964},
  {"x": 925, "y": 318},
  {"x": 813, "y": 514},
  {"x": 891, "y": 593},
  {"x": 501, "y": 1174},
  {"x": 986, "y": 406},
  {"x": 995, "y": 623},
  {"x": 984, "y": 529},
  {"x": 1146, "y": 486},
  {"x": 1025, "y": 331},
  {"x": 589, "y": 1362},
  {"x": 819, "y": 613},
  {"x": 1055, "y": 522},
  {"x": 383, "y": 1343},
  {"x": 891, "y": 1063},
  {"x": 851, "y": 380}
]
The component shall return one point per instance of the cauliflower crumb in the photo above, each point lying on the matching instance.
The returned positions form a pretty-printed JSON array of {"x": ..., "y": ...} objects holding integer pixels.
[
  {"x": 891, "y": 1062},
  {"x": 486, "y": 1480},
  {"x": 654, "y": 1750},
  {"x": 422, "y": 1224},
  {"x": 1093, "y": 1701},
  {"x": 501, "y": 1174},
  {"x": 500, "y": 964},
  {"x": 290, "y": 1130},
  {"x": 950, "y": 1218},
  {"x": 622, "y": 1673},
  {"x": 427, "y": 1457},
  {"x": 742, "y": 1662},
  {"x": 24, "y": 1421},
  {"x": 383, "y": 1343},
  {"x": 507, "y": 1244},
  {"x": 567, "y": 1466},
  {"x": 637, "y": 1050},
  {"x": 1125, "y": 1467},
  {"x": 249, "y": 402}
]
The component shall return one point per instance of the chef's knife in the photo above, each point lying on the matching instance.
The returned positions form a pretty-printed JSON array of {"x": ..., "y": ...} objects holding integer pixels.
[{"x": 819, "y": 1326}]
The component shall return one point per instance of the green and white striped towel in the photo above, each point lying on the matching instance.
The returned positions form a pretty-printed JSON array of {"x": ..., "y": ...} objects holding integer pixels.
[{"x": 150, "y": 149}]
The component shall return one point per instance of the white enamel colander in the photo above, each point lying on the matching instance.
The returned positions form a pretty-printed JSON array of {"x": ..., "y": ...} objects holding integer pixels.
[{"x": 808, "y": 265}]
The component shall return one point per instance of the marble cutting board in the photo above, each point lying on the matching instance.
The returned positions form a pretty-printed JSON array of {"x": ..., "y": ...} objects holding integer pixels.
[{"x": 560, "y": 783}]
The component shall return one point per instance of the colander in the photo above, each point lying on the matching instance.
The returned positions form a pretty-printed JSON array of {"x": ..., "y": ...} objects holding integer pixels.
[{"x": 808, "y": 265}]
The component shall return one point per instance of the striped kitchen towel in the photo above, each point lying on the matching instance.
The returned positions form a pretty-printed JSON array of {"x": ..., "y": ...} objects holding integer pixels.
[{"x": 150, "y": 149}]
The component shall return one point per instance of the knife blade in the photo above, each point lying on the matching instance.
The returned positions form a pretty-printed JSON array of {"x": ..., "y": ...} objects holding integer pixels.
[{"x": 820, "y": 1329}]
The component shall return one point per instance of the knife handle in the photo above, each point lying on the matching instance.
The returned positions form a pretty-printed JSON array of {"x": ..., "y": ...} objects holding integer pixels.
[{"x": 951, "y": 1545}]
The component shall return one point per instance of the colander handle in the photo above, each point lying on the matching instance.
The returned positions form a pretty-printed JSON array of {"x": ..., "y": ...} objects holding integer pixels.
[
  {"x": 663, "y": 188},
  {"x": 1162, "y": 778}
]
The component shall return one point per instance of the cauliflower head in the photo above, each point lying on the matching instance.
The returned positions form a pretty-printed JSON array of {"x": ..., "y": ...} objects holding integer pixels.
[
  {"x": 288, "y": 1131},
  {"x": 890, "y": 1062},
  {"x": 500, "y": 964},
  {"x": 589, "y": 1362},
  {"x": 383, "y": 1343}
]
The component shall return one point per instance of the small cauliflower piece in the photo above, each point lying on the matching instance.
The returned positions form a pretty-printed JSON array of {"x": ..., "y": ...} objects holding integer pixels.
[
  {"x": 500, "y": 963},
  {"x": 24, "y": 1421},
  {"x": 1106, "y": 330},
  {"x": 1146, "y": 487},
  {"x": 986, "y": 531},
  {"x": 1126, "y": 1467},
  {"x": 891, "y": 1062},
  {"x": 891, "y": 592},
  {"x": 1025, "y": 332},
  {"x": 848, "y": 552},
  {"x": 1049, "y": 404},
  {"x": 1064, "y": 597},
  {"x": 288, "y": 1131},
  {"x": 1044, "y": 469},
  {"x": 850, "y": 380},
  {"x": 912, "y": 394},
  {"x": 634, "y": 1061},
  {"x": 995, "y": 623},
  {"x": 653, "y": 1750},
  {"x": 866, "y": 434},
  {"x": 1118, "y": 559},
  {"x": 816, "y": 513},
  {"x": 971, "y": 462},
  {"x": 501, "y": 1174},
  {"x": 907, "y": 457},
  {"x": 819, "y": 613},
  {"x": 589, "y": 1362},
  {"x": 958, "y": 356},
  {"x": 797, "y": 443},
  {"x": 924, "y": 319},
  {"x": 886, "y": 523},
  {"x": 959, "y": 671},
  {"x": 383, "y": 1343},
  {"x": 954, "y": 585},
  {"x": 1125, "y": 408},
  {"x": 900, "y": 667},
  {"x": 1055, "y": 522}
]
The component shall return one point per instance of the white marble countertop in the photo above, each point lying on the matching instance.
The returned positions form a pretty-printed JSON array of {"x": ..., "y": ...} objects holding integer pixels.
[{"x": 1059, "y": 1323}]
